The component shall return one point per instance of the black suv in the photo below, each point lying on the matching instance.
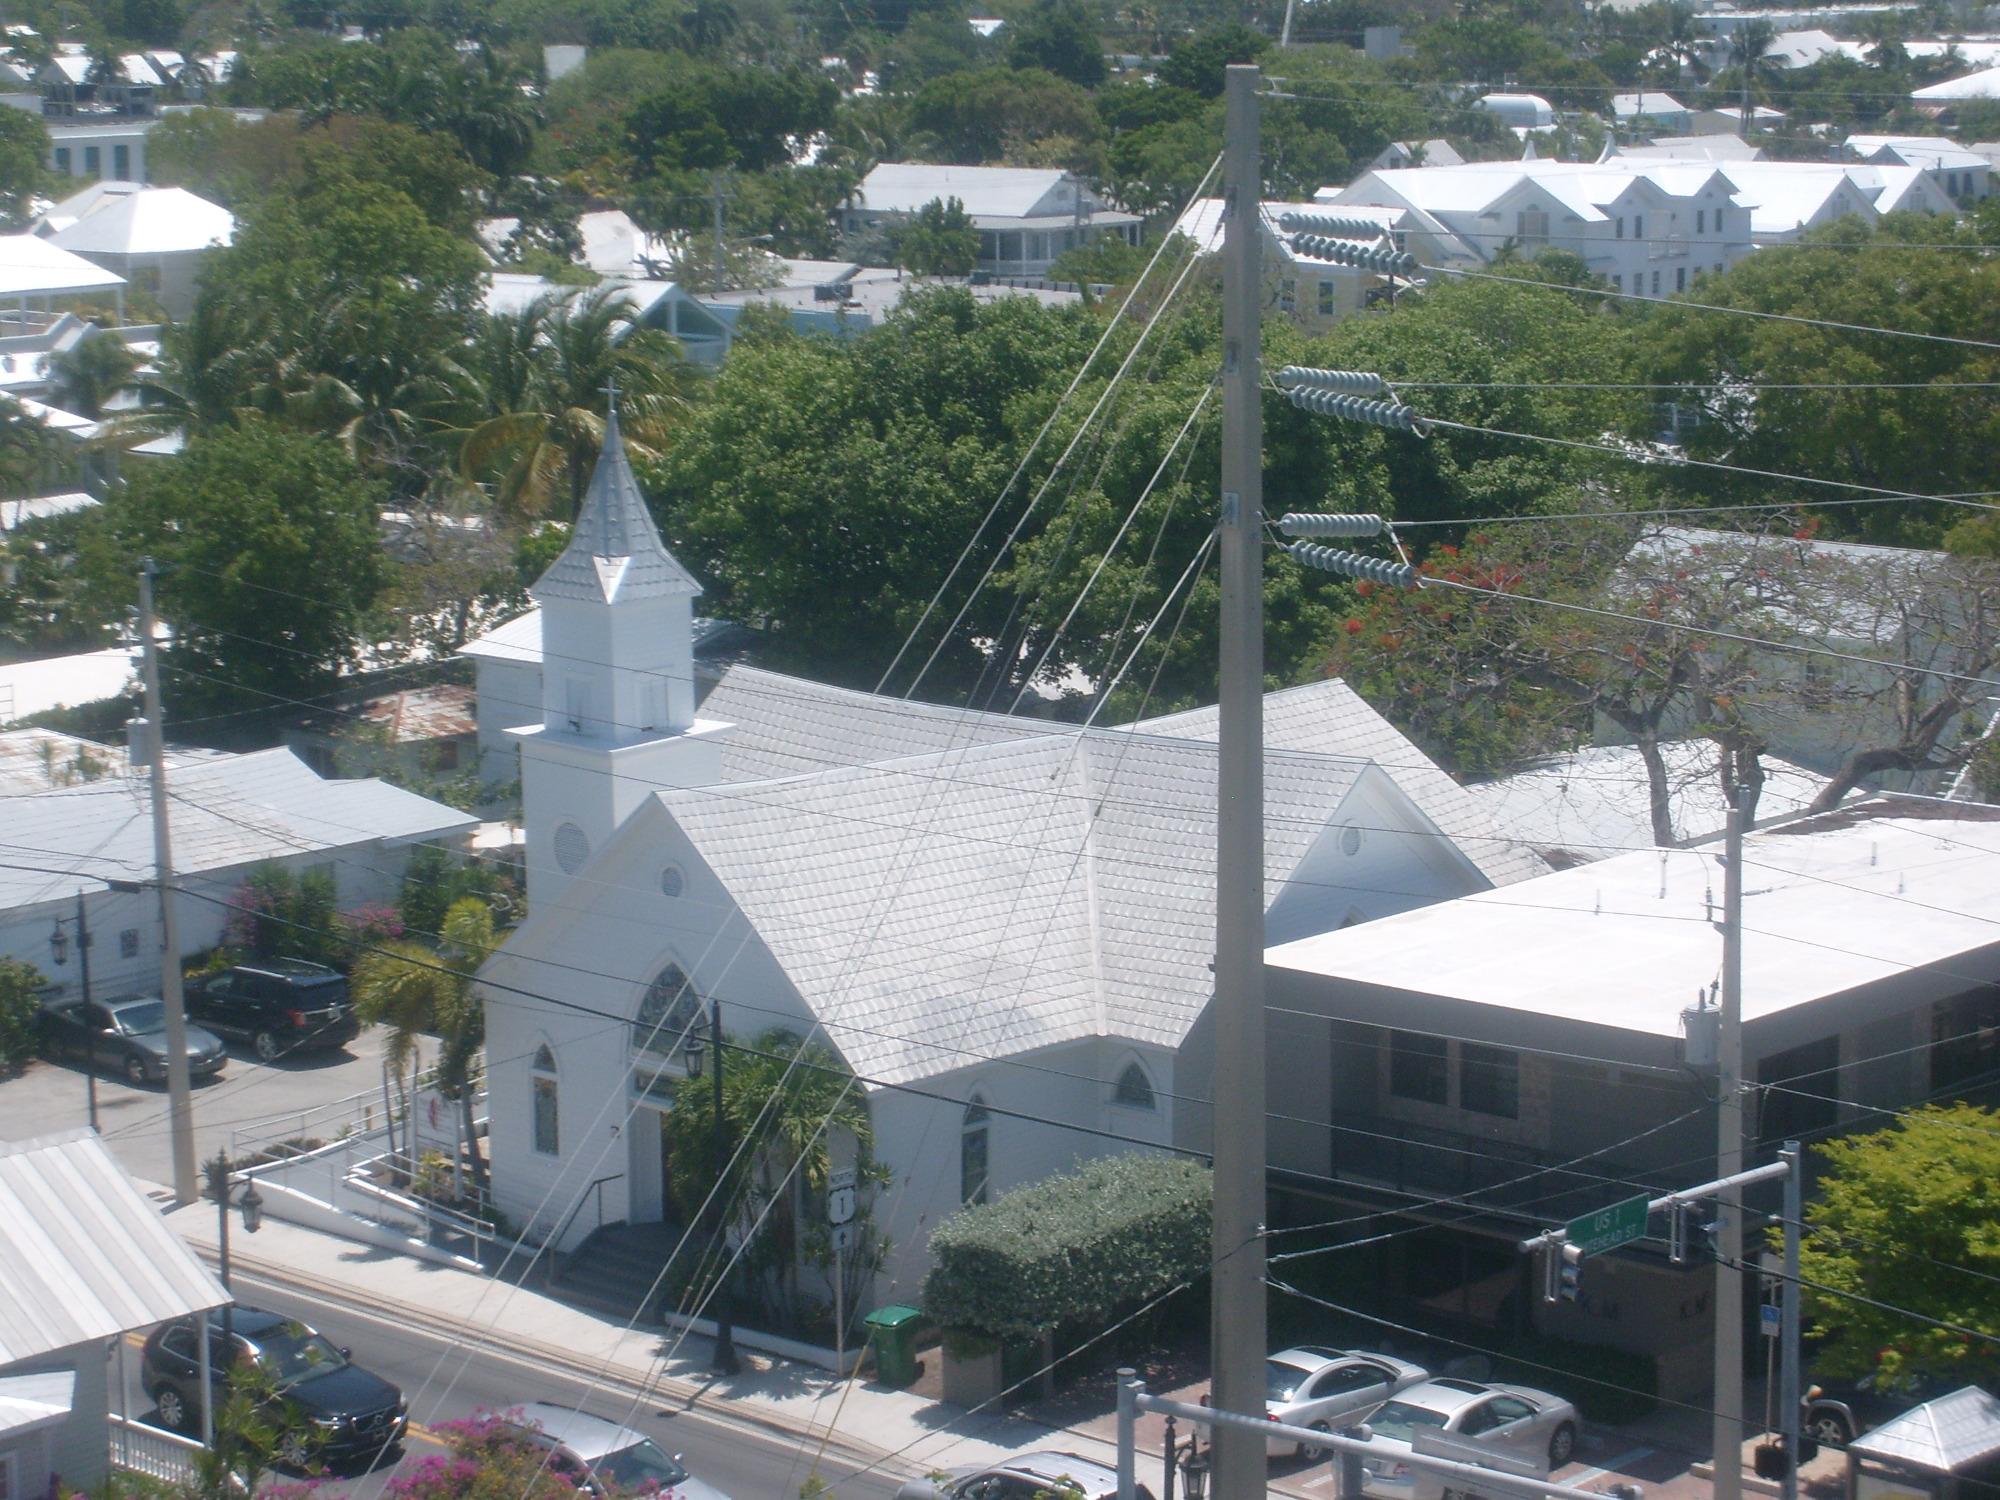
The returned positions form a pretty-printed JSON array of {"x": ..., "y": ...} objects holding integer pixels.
[
  {"x": 342, "y": 1412},
  {"x": 279, "y": 1006}
]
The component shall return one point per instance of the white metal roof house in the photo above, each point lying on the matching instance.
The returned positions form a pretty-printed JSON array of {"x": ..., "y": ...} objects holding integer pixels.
[
  {"x": 33, "y": 273},
  {"x": 86, "y": 1259},
  {"x": 1312, "y": 293},
  {"x": 156, "y": 238},
  {"x": 1966, "y": 176},
  {"x": 993, "y": 923},
  {"x": 1026, "y": 216},
  {"x": 1650, "y": 113},
  {"x": 1527, "y": 1046},
  {"x": 231, "y": 814}
]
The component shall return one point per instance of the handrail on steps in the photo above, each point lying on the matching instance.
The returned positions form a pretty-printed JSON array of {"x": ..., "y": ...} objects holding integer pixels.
[{"x": 569, "y": 1218}]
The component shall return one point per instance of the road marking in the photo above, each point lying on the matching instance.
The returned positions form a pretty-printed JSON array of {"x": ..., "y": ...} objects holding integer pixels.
[
  {"x": 429, "y": 1435},
  {"x": 1610, "y": 1466}
]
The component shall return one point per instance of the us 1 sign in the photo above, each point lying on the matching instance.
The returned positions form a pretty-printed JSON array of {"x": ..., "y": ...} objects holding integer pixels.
[
  {"x": 1608, "y": 1228},
  {"x": 840, "y": 1196}
]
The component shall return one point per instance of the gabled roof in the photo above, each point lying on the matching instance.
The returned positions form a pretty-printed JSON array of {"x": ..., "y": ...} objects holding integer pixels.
[
  {"x": 996, "y": 192},
  {"x": 32, "y": 267},
  {"x": 1985, "y": 84},
  {"x": 237, "y": 810},
  {"x": 147, "y": 221},
  {"x": 1953, "y": 1432},
  {"x": 615, "y": 553},
  {"x": 86, "y": 1256},
  {"x": 1629, "y": 106},
  {"x": 1009, "y": 896},
  {"x": 1933, "y": 152}
]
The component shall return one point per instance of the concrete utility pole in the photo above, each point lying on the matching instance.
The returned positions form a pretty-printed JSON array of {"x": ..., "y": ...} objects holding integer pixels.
[
  {"x": 1788, "y": 1332},
  {"x": 1728, "y": 1440},
  {"x": 180, "y": 1108},
  {"x": 1237, "y": 1326}
]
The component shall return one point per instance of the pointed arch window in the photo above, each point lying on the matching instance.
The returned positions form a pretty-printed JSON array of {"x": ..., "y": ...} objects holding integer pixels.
[
  {"x": 1134, "y": 1089},
  {"x": 548, "y": 1138},
  {"x": 670, "y": 1007},
  {"x": 974, "y": 1144}
]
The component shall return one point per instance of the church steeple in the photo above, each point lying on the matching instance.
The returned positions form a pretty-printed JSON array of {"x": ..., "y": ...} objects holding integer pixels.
[{"x": 618, "y": 718}]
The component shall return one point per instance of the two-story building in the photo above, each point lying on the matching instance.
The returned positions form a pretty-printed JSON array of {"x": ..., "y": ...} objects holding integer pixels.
[{"x": 1026, "y": 216}]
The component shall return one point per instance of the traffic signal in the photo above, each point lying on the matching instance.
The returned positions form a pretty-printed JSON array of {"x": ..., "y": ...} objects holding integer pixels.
[{"x": 1570, "y": 1283}]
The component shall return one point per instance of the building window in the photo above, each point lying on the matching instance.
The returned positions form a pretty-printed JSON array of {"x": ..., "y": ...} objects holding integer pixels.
[
  {"x": 1326, "y": 299},
  {"x": 1680, "y": 278},
  {"x": 547, "y": 1138},
  {"x": 1532, "y": 226},
  {"x": 1489, "y": 1080},
  {"x": 1638, "y": 226},
  {"x": 973, "y": 1143},
  {"x": 1701, "y": 221},
  {"x": 1621, "y": 226},
  {"x": 121, "y": 163},
  {"x": 62, "y": 161},
  {"x": 671, "y": 1006},
  {"x": 146, "y": 278},
  {"x": 1656, "y": 283},
  {"x": 93, "y": 162},
  {"x": 1288, "y": 294},
  {"x": 1135, "y": 1089},
  {"x": 1617, "y": 283},
  {"x": 128, "y": 943},
  {"x": 1417, "y": 1067}
]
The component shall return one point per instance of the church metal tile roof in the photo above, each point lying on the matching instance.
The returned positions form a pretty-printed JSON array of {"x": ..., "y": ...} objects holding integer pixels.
[{"x": 615, "y": 553}]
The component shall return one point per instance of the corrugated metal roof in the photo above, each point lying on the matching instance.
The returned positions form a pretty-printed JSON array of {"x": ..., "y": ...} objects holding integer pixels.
[
  {"x": 615, "y": 552},
  {"x": 31, "y": 1401},
  {"x": 1944, "y": 1435},
  {"x": 86, "y": 1255}
]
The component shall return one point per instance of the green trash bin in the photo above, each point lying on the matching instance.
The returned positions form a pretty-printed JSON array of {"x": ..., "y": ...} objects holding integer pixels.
[{"x": 894, "y": 1331}]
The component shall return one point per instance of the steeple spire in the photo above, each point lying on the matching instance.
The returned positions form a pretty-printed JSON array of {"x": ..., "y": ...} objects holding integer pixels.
[{"x": 615, "y": 553}]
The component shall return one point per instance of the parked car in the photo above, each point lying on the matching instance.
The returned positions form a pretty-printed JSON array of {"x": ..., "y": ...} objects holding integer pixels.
[
  {"x": 1321, "y": 1388},
  {"x": 1515, "y": 1420},
  {"x": 126, "y": 1033},
  {"x": 1837, "y": 1411},
  {"x": 279, "y": 1006},
  {"x": 353, "y": 1414},
  {"x": 1031, "y": 1476},
  {"x": 596, "y": 1455}
]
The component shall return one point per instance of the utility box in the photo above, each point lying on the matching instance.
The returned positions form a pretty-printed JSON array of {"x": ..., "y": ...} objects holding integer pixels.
[{"x": 894, "y": 1333}]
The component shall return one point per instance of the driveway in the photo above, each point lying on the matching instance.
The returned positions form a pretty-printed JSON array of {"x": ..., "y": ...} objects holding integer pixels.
[{"x": 261, "y": 1102}]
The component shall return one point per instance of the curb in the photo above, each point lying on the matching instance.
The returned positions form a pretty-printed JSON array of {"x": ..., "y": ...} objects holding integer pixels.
[{"x": 689, "y": 1396}]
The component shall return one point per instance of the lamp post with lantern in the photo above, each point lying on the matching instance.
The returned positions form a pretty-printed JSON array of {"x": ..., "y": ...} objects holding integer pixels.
[
  {"x": 251, "y": 1205},
  {"x": 725, "y": 1361}
]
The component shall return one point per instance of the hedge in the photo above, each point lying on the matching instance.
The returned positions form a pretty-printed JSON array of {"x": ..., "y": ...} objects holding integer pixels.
[{"x": 1084, "y": 1247}]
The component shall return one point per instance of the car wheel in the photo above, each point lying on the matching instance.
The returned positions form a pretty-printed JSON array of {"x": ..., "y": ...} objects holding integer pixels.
[
  {"x": 173, "y": 1410},
  {"x": 1562, "y": 1445},
  {"x": 135, "y": 1071},
  {"x": 1311, "y": 1454},
  {"x": 266, "y": 1047},
  {"x": 1829, "y": 1428},
  {"x": 295, "y": 1451}
]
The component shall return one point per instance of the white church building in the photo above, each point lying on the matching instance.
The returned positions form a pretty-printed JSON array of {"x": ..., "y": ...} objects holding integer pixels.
[{"x": 1003, "y": 927}]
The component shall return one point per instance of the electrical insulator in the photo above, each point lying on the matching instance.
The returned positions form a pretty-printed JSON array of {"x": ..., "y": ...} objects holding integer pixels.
[
  {"x": 1296, "y": 222},
  {"x": 1314, "y": 523},
  {"x": 1570, "y": 1284},
  {"x": 1362, "y": 257},
  {"x": 1354, "y": 565},
  {"x": 1340, "y": 382},
  {"x": 1356, "y": 409}
]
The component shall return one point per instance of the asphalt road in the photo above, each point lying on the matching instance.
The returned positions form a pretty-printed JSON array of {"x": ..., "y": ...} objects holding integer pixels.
[{"x": 441, "y": 1384}]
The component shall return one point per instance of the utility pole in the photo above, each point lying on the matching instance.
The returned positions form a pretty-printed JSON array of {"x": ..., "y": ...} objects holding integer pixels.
[
  {"x": 1788, "y": 1329},
  {"x": 83, "y": 976},
  {"x": 180, "y": 1108},
  {"x": 1728, "y": 1429},
  {"x": 717, "y": 197},
  {"x": 1237, "y": 1319}
]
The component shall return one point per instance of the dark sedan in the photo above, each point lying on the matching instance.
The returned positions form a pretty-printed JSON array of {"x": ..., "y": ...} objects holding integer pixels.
[
  {"x": 332, "y": 1411},
  {"x": 127, "y": 1034}
]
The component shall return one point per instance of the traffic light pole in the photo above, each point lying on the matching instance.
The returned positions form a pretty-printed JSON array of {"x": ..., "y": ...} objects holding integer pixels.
[{"x": 1237, "y": 1347}]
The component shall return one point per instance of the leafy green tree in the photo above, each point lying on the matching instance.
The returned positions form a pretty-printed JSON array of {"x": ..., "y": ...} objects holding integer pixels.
[
  {"x": 1056, "y": 36},
  {"x": 1197, "y": 63},
  {"x": 267, "y": 546},
  {"x": 546, "y": 375},
  {"x": 712, "y": 115},
  {"x": 417, "y": 990},
  {"x": 21, "y": 986},
  {"x": 1907, "y": 1218},
  {"x": 24, "y": 155},
  {"x": 985, "y": 116},
  {"x": 938, "y": 241}
]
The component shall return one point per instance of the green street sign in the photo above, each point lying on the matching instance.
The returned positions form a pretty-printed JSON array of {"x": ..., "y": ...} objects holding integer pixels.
[{"x": 1608, "y": 1228}]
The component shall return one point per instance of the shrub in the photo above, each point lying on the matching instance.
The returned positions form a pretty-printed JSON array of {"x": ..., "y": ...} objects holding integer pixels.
[
  {"x": 276, "y": 914},
  {"x": 435, "y": 878},
  {"x": 1086, "y": 1247},
  {"x": 21, "y": 986}
]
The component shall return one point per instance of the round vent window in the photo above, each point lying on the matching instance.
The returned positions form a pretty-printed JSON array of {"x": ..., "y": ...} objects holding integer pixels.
[
  {"x": 1350, "y": 840},
  {"x": 672, "y": 882},
  {"x": 572, "y": 847}
]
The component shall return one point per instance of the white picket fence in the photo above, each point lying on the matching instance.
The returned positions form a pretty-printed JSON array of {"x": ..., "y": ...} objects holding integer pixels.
[{"x": 152, "y": 1451}]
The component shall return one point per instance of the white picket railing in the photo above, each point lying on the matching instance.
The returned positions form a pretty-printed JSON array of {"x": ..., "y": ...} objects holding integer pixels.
[{"x": 152, "y": 1451}]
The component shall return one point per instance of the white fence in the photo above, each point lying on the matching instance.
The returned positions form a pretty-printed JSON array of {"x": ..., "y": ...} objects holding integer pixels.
[{"x": 152, "y": 1451}]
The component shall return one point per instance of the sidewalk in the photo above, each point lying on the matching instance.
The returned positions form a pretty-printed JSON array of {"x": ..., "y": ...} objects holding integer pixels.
[{"x": 903, "y": 1433}]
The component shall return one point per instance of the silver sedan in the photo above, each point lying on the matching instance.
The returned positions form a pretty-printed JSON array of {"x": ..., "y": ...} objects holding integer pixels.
[
  {"x": 1313, "y": 1386},
  {"x": 1516, "y": 1421}
]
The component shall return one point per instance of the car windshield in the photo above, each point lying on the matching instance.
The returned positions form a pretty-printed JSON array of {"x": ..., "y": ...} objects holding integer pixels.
[
  {"x": 1399, "y": 1420},
  {"x": 137, "y": 1020},
  {"x": 1281, "y": 1380},
  {"x": 640, "y": 1466},
  {"x": 290, "y": 1355}
]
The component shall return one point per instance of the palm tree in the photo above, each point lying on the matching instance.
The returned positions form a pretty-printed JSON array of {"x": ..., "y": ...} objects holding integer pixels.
[
  {"x": 92, "y": 371},
  {"x": 541, "y": 441},
  {"x": 418, "y": 991},
  {"x": 1684, "y": 43},
  {"x": 1750, "y": 50}
]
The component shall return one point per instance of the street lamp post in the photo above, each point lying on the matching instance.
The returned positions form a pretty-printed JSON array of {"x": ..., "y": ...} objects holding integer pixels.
[
  {"x": 59, "y": 947},
  {"x": 726, "y": 1362},
  {"x": 251, "y": 1204}
]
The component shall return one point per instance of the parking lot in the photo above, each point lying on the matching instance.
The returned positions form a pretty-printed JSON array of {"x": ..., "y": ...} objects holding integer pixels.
[{"x": 258, "y": 1101}]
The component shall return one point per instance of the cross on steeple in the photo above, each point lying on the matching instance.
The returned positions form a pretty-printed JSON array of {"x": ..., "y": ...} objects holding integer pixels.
[{"x": 610, "y": 389}]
